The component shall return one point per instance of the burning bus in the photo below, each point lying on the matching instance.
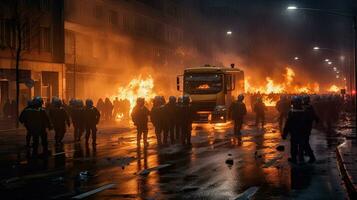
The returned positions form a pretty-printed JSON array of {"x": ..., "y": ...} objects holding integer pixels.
[{"x": 211, "y": 90}]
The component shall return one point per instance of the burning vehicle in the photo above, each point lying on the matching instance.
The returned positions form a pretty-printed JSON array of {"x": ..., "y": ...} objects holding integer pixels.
[{"x": 211, "y": 90}]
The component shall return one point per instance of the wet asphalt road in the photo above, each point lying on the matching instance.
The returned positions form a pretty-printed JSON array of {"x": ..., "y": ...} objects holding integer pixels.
[{"x": 199, "y": 171}]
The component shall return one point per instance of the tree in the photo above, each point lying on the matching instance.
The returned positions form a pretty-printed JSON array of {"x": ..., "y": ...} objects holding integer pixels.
[{"x": 20, "y": 20}]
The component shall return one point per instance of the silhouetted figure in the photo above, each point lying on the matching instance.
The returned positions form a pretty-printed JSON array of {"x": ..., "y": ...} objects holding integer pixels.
[
  {"x": 170, "y": 113},
  {"x": 108, "y": 109},
  {"x": 39, "y": 123},
  {"x": 92, "y": 117},
  {"x": 259, "y": 109},
  {"x": 311, "y": 117},
  {"x": 155, "y": 119},
  {"x": 24, "y": 119},
  {"x": 139, "y": 116},
  {"x": 59, "y": 118},
  {"x": 238, "y": 111},
  {"x": 296, "y": 127},
  {"x": 178, "y": 121},
  {"x": 187, "y": 116},
  {"x": 116, "y": 107},
  {"x": 77, "y": 116},
  {"x": 100, "y": 106},
  {"x": 283, "y": 107}
]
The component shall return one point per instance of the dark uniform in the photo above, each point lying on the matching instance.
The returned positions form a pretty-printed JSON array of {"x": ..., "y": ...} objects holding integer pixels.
[
  {"x": 23, "y": 119},
  {"x": 170, "y": 113},
  {"x": 283, "y": 107},
  {"x": 311, "y": 117},
  {"x": 296, "y": 126},
  {"x": 92, "y": 117},
  {"x": 59, "y": 119},
  {"x": 139, "y": 116},
  {"x": 37, "y": 122},
  {"x": 187, "y": 116},
  {"x": 155, "y": 119},
  {"x": 238, "y": 111},
  {"x": 77, "y": 116}
]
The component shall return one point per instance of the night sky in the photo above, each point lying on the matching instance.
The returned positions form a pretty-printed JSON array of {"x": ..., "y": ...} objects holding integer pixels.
[{"x": 266, "y": 35}]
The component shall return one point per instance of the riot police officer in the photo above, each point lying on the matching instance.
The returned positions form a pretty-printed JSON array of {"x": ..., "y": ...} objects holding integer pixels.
[
  {"x": 187, "y": 115},
  {"x": 139, "y": 116},
  {"x": 39, "y": 122},
  {"x": 310, "y": 119},
  {"x": 23, "y": 119},
  {"x": 238, "y": 110},
  {"x": 155, "y": 118},
  {"x": 78, "y": 119},
  {"x": 295, "y": 126},
  {"x": 92, "y": 117},
  {"x": 283, "y": 107},
  {"x": 59, "y": 119},
  {"x": 170, "y": 115}
]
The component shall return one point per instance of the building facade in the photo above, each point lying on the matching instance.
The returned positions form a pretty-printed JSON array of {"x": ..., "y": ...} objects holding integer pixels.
[
  {"x": 41, "y": 64},
  {"x": 104, "y": 38}
]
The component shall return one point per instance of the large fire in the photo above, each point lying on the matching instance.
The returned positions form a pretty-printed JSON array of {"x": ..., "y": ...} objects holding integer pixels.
[
  {"x": 334, "y": 89},
  {"x": 137, "y": 87},
  {"x": 287, "y": 86}
]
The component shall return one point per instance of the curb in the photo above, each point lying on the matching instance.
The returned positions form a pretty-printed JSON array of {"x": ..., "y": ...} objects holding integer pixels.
[{"x": 351, "y": 189}]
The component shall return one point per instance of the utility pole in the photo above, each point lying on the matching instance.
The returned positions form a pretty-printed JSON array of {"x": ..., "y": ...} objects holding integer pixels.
[{"x": 74, "y": 65}]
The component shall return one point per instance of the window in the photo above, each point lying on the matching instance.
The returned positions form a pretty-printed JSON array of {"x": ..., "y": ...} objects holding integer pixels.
[
  {"x": 45, "y": 39},
  {"x": 98, "y": 11},
  {"x": 113, "y": 18}
]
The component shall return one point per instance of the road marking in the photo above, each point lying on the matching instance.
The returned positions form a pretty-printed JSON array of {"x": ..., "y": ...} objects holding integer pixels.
[
  {"x": 91, "y": 192},
  {"x": 63, "y": 152},
  {"x": 247, "y": 194}
]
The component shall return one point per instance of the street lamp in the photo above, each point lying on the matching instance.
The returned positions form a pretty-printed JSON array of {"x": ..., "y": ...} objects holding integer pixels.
[
  {"x": 330, "y": 63},
  {"x": 316, "y": 48},
  {"x": 296, "y": 58},
  {"x": 292, "y": 8},
  {"x": 327, "y": 60},
  {"x": 229, "y": 33}
]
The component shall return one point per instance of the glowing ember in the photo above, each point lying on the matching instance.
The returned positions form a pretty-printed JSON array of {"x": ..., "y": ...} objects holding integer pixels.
[
  {"x": 334, "y": 88},
  {"x": 137, "y": 87}
]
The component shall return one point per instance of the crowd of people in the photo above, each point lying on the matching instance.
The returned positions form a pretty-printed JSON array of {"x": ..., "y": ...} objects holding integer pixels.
[
  {"x": 110, "y": 110},
  {"x": 57, "y": 115},
  {"x": 172, "y": 121}
]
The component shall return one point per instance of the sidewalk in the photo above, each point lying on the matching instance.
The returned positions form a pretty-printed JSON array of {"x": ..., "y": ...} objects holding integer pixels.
[{"x": 347, "y": 160}]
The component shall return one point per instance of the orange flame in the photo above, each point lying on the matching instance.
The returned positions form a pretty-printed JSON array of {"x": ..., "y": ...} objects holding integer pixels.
[
  {"x": 137, "y": 87},
  {"x": 333, "y": 88}
]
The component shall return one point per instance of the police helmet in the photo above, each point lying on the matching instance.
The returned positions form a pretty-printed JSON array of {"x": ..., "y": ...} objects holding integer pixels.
[
  {"x": 38, "y": 101},
  {"x": 186, "y": 99},
  {"x": 79, "y": 103},
  {"x": 240, "y": 97},
  {"x": 306, "y": 99},
  {"x": 89, "y": 103},
  {"x": 296, "y": 101}
]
